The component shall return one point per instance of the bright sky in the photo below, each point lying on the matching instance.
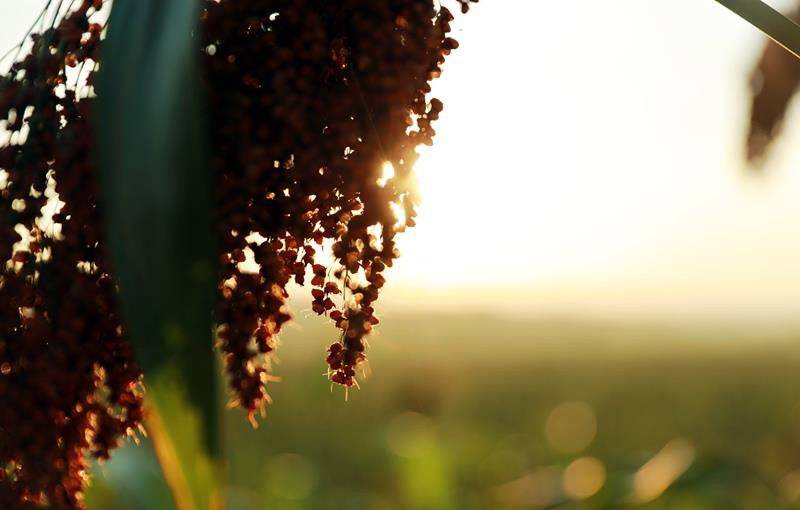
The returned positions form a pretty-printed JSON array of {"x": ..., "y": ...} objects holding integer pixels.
[{"x": 589, "y": 160}]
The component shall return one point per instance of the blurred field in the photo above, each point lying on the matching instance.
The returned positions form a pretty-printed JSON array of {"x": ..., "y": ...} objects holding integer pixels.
[{"x": 479, "y": 412}]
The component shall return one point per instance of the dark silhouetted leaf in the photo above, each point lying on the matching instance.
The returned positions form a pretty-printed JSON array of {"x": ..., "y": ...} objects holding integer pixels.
[{"x": 774, "y": 82}]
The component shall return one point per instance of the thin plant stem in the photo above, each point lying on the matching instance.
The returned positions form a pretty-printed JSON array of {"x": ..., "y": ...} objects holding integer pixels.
[
  {"x": 774, "y": 24},
  {"x": 169, "y": 461},
  {"x": 18, "y": 47}
]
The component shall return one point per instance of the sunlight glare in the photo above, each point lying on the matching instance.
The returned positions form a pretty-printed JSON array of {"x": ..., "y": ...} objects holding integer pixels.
[
  {"x": 388, "y": 173},
  {"x": 613, "y": 184}
]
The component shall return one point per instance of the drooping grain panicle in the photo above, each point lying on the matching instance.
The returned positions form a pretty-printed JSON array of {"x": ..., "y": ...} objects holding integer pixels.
[{"x": 310, "y": 103}]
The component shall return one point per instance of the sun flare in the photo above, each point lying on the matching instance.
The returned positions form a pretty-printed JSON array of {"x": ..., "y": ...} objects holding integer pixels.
[{"x": 625, "y": 194}]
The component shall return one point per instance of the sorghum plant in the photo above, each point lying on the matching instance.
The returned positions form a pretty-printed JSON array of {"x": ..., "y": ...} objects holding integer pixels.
[{"x": 316, "y": 108}]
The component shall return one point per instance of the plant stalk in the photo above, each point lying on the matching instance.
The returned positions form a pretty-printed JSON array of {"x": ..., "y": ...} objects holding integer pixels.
[{"x": 169, "y": 461}]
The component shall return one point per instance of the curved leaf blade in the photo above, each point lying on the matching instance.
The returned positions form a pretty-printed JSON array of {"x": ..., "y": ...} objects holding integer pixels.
[
  {"x": 778, "y": 27},
  {"x": 157, "y": 196}
]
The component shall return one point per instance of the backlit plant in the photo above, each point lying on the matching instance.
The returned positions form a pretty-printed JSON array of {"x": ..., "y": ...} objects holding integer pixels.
[
  {"x": 315, "y": 111},
  {"x": 306, "y": 113}
]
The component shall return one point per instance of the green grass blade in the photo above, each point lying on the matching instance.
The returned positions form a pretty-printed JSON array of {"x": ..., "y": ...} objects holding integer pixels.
[
  {"x": 774, "y": 24},
  {"x": 157, "y": 197},
  {"x": 176, "y": 430}
]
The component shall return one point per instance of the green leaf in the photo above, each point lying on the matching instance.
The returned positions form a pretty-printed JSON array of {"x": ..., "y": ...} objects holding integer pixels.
[
  {"x": 774, "y": 24},
  {"x": 176, "y": 430},
  {"x": 157, "y": 198}
]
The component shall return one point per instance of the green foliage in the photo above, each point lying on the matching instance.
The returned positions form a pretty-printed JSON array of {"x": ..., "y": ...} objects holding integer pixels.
[{"x": 157, "y": 198}]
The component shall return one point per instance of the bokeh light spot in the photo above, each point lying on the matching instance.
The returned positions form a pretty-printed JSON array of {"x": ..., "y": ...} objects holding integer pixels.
[
  {"x": 662, "y": 470},
  {"x": 571, "y": 427},
  {"x": 789, "y": 487},
  {"x": 584, "y": 477}
]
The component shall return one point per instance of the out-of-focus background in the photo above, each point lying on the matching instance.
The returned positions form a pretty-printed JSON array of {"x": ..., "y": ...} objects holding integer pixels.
[{"x": 598, "y": 308}]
